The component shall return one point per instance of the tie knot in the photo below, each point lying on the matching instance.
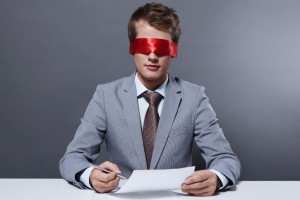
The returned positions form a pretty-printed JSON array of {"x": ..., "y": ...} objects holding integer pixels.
[{"x": 152, "y": 98}]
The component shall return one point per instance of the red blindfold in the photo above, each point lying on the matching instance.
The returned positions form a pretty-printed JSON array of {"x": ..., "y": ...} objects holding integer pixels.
[{"x": 153, "y": 45}]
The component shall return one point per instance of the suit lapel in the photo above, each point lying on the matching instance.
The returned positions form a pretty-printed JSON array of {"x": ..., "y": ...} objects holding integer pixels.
[
  {"x": 133, "y": 118},
  {"x": 169, "y": 111}
]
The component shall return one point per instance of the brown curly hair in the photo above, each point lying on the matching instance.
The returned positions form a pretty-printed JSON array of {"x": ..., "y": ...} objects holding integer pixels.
[{"x": 157, "y": 15}]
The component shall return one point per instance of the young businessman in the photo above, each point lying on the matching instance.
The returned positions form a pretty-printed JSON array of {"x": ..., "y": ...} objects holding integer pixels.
[{"x": 150, "y": 119}]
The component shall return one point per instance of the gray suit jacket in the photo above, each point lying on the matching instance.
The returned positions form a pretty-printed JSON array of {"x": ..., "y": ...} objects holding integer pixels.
[{"x": 113, "y": 116}]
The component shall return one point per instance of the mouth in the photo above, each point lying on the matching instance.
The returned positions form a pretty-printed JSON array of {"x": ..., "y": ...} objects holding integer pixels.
[{"x": 152, "y": 67}]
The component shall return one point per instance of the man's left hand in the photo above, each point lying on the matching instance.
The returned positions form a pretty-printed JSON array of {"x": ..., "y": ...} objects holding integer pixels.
[{"x": 201, "y": 183}]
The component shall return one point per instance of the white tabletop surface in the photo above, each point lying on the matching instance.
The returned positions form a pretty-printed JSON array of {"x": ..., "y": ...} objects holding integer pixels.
[{"x": 56, "y": 189}]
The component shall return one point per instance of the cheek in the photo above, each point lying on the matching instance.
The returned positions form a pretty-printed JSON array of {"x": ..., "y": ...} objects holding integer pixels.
[
  {"x": 138, "y": 59},
  {"x": 166, "y": 62}
]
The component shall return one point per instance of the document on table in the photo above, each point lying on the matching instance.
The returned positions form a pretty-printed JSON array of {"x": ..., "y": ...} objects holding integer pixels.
[{"x": 156, "y": 180}]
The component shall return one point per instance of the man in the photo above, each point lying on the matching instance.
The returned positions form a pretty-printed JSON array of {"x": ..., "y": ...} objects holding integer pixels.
[{"x": 120, "y": 114}]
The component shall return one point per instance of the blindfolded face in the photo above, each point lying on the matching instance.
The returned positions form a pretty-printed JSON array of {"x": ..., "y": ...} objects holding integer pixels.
[{"x": 153, "y": 45}]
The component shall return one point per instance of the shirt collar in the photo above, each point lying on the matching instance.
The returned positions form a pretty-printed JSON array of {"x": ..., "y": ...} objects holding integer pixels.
[{"x": 140, "y": 88}]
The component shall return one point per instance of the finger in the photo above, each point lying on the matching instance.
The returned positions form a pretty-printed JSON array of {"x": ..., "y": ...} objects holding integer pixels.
[
  {"x": 197, "y": 176},
  {"x": 98, "y": 180},
  {"x": 195, "y": 190},
  {"x": 211, "y": 181},
  {"x": 207, "y": 191},
  {"x": 101, "y": 176},
  {"x": 205, "y": 187},
  {"x": 106, "y": 187},
  {"x": 109, "y": 185},
  {"x": 111, "y": 167},
  {"x": 196, "y": 185}
]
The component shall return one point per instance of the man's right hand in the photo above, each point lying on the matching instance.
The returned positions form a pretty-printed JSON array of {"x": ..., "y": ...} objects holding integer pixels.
[{"x": 105, "y": 182}]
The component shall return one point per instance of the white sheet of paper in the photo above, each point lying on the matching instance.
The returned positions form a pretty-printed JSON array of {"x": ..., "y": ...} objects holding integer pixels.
[{"x": 156, "y": 180}]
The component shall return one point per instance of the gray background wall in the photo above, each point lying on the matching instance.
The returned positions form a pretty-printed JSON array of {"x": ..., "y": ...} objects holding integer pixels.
[{"x": 54, "y": 53}]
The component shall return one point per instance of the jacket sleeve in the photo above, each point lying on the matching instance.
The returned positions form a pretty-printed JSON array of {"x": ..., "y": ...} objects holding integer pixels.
[
  {"x": 214, "y": 147},
  {"x": 85, "y": 146}
]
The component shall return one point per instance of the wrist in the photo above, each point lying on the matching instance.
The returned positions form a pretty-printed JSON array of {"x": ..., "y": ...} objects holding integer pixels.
[
  {"x": 223, "y": 180},
  {"x": 219, "y": 183}
]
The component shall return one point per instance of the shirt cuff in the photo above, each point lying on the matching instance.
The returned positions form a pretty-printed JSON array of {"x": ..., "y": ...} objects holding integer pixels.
[
  {"x": 85, "y": 177},
  {"x": 223, "y": 179}
]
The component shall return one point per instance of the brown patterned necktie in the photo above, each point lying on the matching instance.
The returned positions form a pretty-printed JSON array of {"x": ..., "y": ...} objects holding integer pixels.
[{"x": 150, "y": 124}]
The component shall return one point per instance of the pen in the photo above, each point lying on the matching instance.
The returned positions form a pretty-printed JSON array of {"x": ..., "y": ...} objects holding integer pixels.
[{"x": 107, "y": 171}]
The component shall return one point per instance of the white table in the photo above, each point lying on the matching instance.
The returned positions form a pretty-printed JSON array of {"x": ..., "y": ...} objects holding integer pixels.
[{"x": 56, "y": 189}]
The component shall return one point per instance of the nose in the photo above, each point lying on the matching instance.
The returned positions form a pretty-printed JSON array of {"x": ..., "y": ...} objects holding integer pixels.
[{"x": 152, "y": 57}]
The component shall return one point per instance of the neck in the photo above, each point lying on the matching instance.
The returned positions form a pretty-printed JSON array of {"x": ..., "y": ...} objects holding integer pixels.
[{"x": 152, "y": 85}]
